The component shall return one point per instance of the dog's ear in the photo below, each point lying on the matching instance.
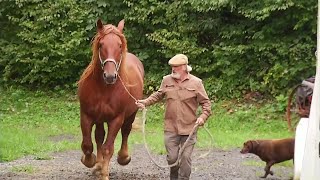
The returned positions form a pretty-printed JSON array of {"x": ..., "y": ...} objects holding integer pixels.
[{"x": 250, "y": 145}]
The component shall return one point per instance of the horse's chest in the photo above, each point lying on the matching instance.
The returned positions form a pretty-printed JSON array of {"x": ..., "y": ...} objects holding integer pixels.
[{"x": 104, "y": 108}]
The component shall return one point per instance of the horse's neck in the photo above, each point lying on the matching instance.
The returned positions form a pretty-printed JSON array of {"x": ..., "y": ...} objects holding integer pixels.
[{"x": 97, "y": 75}]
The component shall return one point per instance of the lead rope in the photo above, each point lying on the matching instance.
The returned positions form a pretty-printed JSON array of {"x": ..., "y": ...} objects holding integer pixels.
[
  {"x": 194, "y": 129},
  {"x": 135, "y": 100}
]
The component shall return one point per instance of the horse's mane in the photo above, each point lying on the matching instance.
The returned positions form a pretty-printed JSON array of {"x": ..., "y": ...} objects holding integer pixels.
[{"x": 95, "y": 62}]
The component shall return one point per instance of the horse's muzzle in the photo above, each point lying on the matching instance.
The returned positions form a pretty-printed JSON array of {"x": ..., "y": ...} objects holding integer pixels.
[{"x": 110, "y": 78}]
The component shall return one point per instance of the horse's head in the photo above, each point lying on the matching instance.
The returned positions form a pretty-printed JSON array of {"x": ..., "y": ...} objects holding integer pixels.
[{"x": 111, "y": 46}]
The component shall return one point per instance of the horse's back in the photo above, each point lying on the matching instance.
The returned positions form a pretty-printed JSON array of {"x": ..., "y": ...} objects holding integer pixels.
[{"x": 133, "y": 62}]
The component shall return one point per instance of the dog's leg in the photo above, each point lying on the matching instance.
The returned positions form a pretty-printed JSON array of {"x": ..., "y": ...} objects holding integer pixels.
[
  {"x": 271, "y": 173},
  {"x": 267, "y": 169}
]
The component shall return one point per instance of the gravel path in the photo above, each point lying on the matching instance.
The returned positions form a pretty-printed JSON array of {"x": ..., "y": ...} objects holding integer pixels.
[{"x": 218, "y": 165}]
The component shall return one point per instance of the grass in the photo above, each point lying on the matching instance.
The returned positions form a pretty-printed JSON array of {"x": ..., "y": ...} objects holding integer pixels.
[
  {"x": 234, "y": 124},
  {"x": 37, "y": 123},
  {"x": 25, "y": 169},
  {"x": 29, "y": 119}
]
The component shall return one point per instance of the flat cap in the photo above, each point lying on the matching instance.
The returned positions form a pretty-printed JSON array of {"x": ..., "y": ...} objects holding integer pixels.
[{"x": 178, "y": 59}]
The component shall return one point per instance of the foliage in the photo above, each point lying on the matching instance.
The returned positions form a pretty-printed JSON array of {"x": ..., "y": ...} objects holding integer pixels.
[
  {"x": 48, "y": 46},
  {"x": 234, "y": 46}
]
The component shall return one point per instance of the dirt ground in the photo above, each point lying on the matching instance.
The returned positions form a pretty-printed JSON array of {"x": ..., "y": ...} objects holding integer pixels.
[{"x": 218, "y": 165}]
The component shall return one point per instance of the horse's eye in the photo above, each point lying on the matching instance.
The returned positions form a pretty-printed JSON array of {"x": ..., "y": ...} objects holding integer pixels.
[
  {"x": 100, "y": 45},
  {"x": 120, "y": 46}
]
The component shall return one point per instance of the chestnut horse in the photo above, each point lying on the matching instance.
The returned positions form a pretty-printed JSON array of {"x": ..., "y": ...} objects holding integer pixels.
[{"x": 107, "y": 91}]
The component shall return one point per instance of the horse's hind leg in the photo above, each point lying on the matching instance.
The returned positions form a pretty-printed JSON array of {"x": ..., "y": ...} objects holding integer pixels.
[
  {"x": 88, "y": 158},
  {"x": 123, "y": 154},
  {"x": 99, "y": 137}
]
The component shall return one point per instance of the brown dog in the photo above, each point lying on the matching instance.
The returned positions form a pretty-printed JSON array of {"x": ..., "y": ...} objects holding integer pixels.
[{"x": 270, "y": 151}]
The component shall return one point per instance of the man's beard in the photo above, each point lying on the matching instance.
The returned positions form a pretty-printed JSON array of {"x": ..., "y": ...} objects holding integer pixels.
[{"x": 176, "y": 75}]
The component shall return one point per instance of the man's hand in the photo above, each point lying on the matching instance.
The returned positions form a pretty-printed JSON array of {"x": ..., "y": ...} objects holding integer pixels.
[
  {"x": 200, "y": 121},
  {"x": 141, "y": 104}
]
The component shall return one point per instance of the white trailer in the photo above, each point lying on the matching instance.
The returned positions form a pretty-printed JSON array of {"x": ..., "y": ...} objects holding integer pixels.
[{"x": 307, "y": 152}]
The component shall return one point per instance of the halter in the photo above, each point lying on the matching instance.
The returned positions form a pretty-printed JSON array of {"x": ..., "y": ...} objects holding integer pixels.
[{"x": 103, "y": 62}]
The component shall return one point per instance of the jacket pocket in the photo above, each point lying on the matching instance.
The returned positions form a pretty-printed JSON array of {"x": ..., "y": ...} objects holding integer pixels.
[
  {"x": 171, "y": 94},
  {"x": 188, "y": 93}
]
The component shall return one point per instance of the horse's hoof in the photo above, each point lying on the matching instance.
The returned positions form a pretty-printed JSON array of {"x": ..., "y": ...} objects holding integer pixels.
[
  {"x": 96, "y": 170},
  {"x": 89, "y": 161},
  {"x": 104, "y": 176},
  {"x": 124, "y": 161}
]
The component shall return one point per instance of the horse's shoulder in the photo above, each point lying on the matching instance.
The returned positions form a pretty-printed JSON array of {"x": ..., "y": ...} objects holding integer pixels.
[
  {"x": 132, "y": 57},
  {"x": 132, "y": 60},
  {"x": 133, "y": 63}
]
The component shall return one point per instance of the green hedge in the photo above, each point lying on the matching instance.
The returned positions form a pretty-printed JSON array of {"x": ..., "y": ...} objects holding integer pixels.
[{"x": 234, "y": 46}]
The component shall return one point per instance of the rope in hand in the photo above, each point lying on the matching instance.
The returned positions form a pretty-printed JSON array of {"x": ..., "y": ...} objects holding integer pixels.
[
  {"x": 135, "y": 100},
  {"x": 194, "y": 129}
]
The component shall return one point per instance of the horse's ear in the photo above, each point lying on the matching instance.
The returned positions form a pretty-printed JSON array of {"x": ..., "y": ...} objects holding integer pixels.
[
  {"x": 121, "y": 25},
  {"x": 99, "y": 25}
]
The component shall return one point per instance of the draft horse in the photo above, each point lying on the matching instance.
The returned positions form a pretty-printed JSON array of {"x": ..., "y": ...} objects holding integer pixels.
[{"x": 107, "y": 91}]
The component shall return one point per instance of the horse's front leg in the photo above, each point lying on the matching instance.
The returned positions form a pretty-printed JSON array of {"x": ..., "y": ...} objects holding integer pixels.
[
  {"x": 99, "y": 137},
  {"x": 88, "y": 157},
  {"x": 108, "y": 146},
  {"x": 123, "y": 154}
]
